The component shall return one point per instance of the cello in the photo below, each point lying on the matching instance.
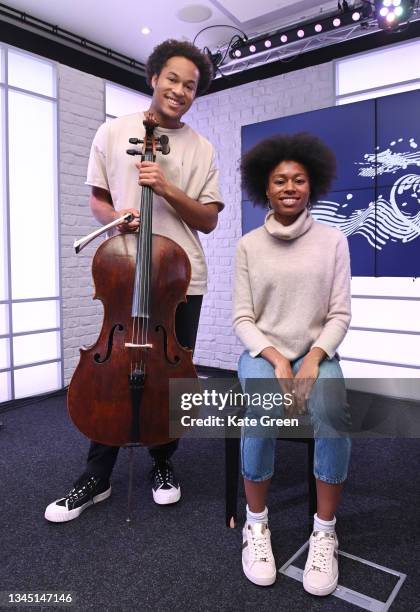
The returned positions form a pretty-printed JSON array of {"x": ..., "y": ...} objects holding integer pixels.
[{"x": 119, "y": 392}]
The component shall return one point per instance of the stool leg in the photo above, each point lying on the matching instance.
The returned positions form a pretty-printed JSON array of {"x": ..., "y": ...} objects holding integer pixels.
[
  {"x": 231, "y": 479},
  {"x": 311, "y": 485}
]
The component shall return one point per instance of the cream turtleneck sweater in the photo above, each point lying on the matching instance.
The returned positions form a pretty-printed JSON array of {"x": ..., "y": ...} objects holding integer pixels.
[{"x": 292, "y": 287}]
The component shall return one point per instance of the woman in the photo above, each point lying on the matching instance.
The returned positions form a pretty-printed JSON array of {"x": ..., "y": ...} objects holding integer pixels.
[{"x": 291, "y": 312}]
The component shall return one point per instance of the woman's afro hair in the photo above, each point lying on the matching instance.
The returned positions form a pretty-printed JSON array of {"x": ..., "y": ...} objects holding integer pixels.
[
  {"x": 179, "y": 48},
  {"x": 304, "y": 148}
]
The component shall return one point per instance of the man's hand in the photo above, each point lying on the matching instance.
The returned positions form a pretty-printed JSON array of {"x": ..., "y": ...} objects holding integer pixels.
[
  {"x": 133, "y": 226},
  {"x": 150, "y": 173},
  {"x": 195, "y": 214},
  {"x": 103, "y": 210}
]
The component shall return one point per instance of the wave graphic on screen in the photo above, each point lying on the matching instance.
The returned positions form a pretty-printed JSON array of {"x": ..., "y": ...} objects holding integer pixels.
[{"x": 396, "y": 218}]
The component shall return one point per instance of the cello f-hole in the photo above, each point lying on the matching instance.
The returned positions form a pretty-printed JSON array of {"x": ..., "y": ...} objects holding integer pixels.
[
  {"x": 176, "y": 358},
  {"x": 97, "y": 357}
]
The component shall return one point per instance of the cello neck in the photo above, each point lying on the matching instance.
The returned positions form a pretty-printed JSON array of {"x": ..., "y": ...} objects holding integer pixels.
[{"x": 141, "y": 291}]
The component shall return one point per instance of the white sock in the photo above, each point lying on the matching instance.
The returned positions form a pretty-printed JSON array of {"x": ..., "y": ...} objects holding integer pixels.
[
  {"x": 321, "y": 525},
  {"x": 256, "y": 517}
]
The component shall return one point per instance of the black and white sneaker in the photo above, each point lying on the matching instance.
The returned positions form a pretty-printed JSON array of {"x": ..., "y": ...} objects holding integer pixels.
[
  {"x": 86, "y": 492},
  {"x": 165, "y": 487}
]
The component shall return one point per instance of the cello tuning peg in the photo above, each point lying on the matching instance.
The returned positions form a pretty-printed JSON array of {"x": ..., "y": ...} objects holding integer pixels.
[
  {"x": 133, "y": 152},
  {"x": 164, "y": 144},
  {"x": 135, "y": 141}
]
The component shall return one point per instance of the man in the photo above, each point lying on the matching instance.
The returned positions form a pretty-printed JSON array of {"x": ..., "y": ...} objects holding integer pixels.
[{"x": 186, "y": 200}]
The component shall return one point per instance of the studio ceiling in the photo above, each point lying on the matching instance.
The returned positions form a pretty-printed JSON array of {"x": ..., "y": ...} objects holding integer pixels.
[{"x": 117, "y": 24}]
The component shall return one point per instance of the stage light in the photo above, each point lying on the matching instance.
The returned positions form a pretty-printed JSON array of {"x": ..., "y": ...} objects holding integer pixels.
[
  {"x": 390, "y": 14},
  {"x": 359, "y": 15}
]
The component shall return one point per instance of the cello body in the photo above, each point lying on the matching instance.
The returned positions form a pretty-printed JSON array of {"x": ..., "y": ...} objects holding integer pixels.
[{"x": 101, "y": 401}]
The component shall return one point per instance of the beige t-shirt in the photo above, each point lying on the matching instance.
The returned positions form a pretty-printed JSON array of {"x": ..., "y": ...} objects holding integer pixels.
[{"x": 190, "y": 166}]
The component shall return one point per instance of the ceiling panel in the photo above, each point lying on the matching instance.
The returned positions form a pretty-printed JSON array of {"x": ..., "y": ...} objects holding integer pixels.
[{"x": 247, "y": 11}]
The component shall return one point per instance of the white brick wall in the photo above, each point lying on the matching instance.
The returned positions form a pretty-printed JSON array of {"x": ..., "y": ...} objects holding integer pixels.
[
  {"x": 219, "y": 117},
  {"x": 81, "y": 111}
]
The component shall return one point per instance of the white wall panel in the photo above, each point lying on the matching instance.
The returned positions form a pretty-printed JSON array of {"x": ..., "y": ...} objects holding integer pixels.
[
  {"x": 379, "y": 93},
  {"x": 37, "y": 379},
  {"x": 383, "y": 286},
  {"x": 36, "y": 347},
  {"x": 4, "y": 353},
  {"x": 384, "y": 347},
  {"x": 5, "y": 388},
  {"x": 401, "y": 315},
  {"x": 30, "y": 316},
  {"x": 3, "y": 234},
  {"x": 378, "y": 68},
  {"x": 31, "y": 73},
  {"x": 122, "y": 101},
  {"x": 381, "y": 379},
  {"x": 4, "y": 319},
  {"x": 358, "y": 369},
  {"x": 33, "y": 217}
]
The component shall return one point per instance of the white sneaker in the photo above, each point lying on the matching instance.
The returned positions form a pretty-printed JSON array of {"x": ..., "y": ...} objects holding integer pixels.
[
  {"x": 320, "y": 575},
  {"x": 257, "y": 557},
  {"x": 165, "y": 487}
]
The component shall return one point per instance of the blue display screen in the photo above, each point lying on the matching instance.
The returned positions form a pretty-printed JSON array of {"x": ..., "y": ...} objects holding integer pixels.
[{"x": 375, "y": 199}]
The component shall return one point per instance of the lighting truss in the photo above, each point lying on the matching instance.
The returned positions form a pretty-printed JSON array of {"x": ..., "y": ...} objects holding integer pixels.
[{"x": 296, "y": 46}]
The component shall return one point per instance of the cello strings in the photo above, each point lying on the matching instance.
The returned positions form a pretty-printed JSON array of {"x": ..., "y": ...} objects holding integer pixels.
[
  {"x": 143, "y": 273},
  {"x": 148, "y": 262},
  {"x": 144, "y": 266}
]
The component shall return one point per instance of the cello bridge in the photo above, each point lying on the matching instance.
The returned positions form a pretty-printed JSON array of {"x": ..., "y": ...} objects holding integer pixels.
[{"x": 142, "y": 346}]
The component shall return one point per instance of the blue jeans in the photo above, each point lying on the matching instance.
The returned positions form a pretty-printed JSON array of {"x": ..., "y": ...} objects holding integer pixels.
[{"x": 329, "y": 418}]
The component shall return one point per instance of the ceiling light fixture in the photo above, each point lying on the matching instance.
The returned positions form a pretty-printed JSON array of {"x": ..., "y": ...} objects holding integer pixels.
[
  {"x": 194, "y": 13},
  {"x": 391, "y": 14}
]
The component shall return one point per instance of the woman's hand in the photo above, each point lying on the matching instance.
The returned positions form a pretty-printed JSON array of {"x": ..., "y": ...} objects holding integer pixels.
[
  {"x": 282, "y": 370},
  {"x": 307, "y": 374}
]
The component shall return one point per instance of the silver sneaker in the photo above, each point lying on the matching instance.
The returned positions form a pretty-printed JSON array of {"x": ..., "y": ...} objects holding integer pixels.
[
  {"x": 320, "y": 575},
  {"x": 257, "y": 557}
]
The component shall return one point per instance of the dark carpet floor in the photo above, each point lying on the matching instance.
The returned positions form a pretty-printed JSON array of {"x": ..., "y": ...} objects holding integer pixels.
[{"x": 183, "y": 557}]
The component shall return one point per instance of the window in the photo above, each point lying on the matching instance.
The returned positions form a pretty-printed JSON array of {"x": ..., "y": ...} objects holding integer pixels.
[
  {"x": 122, "y": 101},
  {"x": 378, "y": 73},
  {"x": 30, "y": 335}
]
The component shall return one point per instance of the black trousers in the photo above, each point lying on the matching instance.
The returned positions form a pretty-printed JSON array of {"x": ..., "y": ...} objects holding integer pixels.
[{"x": 101, "y": 458}]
